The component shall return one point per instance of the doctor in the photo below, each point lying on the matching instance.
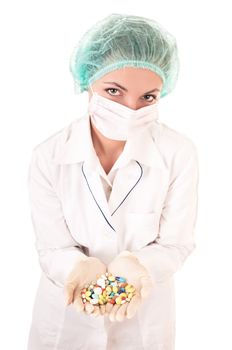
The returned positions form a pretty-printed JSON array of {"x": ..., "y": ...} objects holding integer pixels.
[{"x": 115, "y": 190}]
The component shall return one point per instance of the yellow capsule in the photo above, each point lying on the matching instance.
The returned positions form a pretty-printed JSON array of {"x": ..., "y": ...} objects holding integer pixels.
[
  {"x": 88, "y": 293},
  {"x": 130, "y": 295},
  {"x": 123, "y": 295},
  {"x": 118, "y": 300},
  {"x": 101, "y": 302},
  {"x": 88, "y": 298},
  {"x": 111, "y": 278},
  {"x": 104, "y": 293},
  {"x": 108, "y": 289},
  {"x": 115, "y": 289}
]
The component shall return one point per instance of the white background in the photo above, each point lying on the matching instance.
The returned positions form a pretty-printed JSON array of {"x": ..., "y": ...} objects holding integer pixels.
[{"x": 37, "y": 99}]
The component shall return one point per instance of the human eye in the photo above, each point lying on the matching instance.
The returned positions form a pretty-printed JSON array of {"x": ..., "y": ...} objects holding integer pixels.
[
  {"x": 153, "y": 98},
  {"x": 107, "y": 90}
]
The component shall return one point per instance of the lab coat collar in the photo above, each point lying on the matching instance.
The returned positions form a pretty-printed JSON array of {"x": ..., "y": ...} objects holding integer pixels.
[{"x": 77, "y": 146}]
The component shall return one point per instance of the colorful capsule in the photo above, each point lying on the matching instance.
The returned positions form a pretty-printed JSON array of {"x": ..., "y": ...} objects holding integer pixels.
[
  {"x": 120, "y": 279},
  {"x": 111, "y": 278},
  {"x": 94, "y": 301},
  {"x": 118, "y": 300},
  {"x": 97, "y": 290},
  {"x": 115, "y": 289},
  {"x": 107, "y": 289}
]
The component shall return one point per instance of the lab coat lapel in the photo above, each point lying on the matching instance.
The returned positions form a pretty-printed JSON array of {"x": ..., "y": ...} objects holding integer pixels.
[
  {"x": 96, "y": 192},
  {"x": 125, "y": 181},
  {"x": 140, "y": 151},
  {"x": 78, "y": 148}
]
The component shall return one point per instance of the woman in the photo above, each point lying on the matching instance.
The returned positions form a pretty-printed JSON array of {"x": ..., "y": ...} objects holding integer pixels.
[{"x": 114, "y": 191}]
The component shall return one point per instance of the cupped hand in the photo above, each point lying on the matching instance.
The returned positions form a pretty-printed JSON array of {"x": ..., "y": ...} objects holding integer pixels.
[
  {"x": 127, "y": 265},
  {"x": 84, "y": 273}
]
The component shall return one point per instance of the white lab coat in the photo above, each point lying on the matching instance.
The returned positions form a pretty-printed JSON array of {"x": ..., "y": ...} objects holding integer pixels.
[{"x": 151, "y": 211}]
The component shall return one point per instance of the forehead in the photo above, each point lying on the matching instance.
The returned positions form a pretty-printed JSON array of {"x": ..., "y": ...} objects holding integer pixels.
[{"x": 130, "y": 77}]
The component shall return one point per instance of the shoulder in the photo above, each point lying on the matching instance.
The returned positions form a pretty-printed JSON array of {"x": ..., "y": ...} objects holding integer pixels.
[
  {"x": 178, "y": 151},
  {"x": 54, "y": 143},
  {"x": 172, "y": 142}
]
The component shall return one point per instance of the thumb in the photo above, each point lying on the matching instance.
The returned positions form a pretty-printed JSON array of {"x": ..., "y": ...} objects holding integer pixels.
[
  {"x": 133, "y": 305},
  {"x": 78, "y": 303},
  {"x": 69, "y": 291}
]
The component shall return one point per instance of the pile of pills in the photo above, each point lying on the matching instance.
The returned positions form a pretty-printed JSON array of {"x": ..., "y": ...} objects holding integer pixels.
[{"x": 108, "y": 289}]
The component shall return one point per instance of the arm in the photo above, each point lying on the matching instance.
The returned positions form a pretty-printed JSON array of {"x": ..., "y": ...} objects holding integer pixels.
[
  {"x": 175, "y": 241},
  {"x": 57, "y": 250}
]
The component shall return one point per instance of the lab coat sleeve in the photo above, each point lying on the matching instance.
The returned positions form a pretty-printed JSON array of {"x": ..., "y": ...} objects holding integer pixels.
[
  {"x": 175, "y": 241},
  {"x": 57, "y": 250}
]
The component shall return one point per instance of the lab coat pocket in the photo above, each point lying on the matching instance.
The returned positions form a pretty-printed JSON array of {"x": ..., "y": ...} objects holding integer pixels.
[{"x": 141, "y": 229}]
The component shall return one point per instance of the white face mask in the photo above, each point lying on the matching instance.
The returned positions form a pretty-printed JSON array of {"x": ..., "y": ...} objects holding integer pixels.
[{"x": 116, "y": 121}]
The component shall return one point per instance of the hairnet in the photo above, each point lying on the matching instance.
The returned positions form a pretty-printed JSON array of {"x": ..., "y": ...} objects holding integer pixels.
[{"x": 120, "y": 40}]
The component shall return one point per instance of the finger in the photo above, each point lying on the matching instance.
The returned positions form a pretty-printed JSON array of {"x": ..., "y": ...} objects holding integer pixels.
[
  {"x": 69, "y": 291},
  {"x": 102, "y": 309},
  {"x": 77, "y": 300},
  {"x": 109, "y": 307},
  {"x": 133, "y": 306},
  {"x": 85, "y": 307},
  {"x": 125, "y": 253},
  {"x": 113, "y": 312},
  {"x": 121, "y": 313},
  {"x": 89, "y": 308},
  {"x": 78, "y": 304},
  {"x": 96, "y": 311},
  {"x": 147, "y": 285}
]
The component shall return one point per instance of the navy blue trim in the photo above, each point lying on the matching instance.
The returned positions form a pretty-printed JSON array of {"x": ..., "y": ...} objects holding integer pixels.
[
  {"x": 121, "y": 201},
  {"x": 95, "y": 199},
  {"x": 131, "y": 188}
]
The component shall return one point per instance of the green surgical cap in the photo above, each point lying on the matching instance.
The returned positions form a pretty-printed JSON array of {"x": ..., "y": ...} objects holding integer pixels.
[{"x": 120, "y": 40}]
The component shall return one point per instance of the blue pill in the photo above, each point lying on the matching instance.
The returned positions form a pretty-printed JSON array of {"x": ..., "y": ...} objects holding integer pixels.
[{"x": 121, "y": 279}]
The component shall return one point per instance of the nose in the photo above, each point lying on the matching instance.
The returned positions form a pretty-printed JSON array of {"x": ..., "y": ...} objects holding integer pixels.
[{"x": 131, "y": 103}]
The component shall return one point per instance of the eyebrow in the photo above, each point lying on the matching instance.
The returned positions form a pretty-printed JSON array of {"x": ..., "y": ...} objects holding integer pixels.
[{"x": 123, "y": 88}]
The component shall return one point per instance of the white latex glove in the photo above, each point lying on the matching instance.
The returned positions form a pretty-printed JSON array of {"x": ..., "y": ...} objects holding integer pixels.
[
  {"x": 127, "y": 265},
  {"x": 84, "y": 272}
]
